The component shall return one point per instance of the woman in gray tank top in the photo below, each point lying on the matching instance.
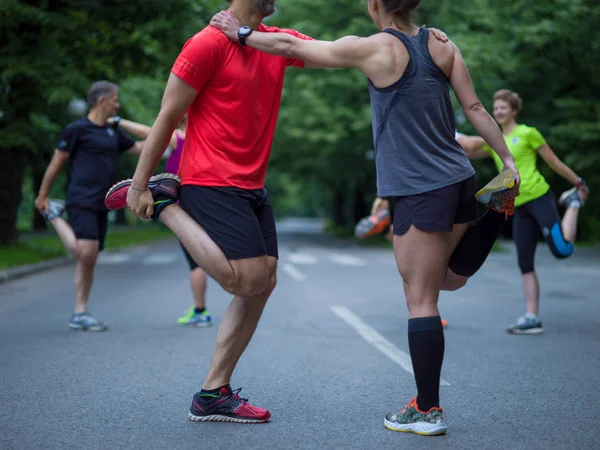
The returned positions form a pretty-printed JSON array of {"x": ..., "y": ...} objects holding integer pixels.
[{"x": 421, "y": 166}]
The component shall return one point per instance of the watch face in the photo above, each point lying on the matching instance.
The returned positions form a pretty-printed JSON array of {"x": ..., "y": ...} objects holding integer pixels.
[{"x": 245, "y": 31}]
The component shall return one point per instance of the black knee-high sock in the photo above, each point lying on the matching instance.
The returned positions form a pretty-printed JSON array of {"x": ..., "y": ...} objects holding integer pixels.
[
  {"x": 475, "y": 246},
  {"x": 426, "y": 344}
]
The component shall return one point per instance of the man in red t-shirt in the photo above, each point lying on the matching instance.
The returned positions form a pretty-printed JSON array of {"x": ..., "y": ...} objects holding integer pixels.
[{"x": 224, "y": 218}]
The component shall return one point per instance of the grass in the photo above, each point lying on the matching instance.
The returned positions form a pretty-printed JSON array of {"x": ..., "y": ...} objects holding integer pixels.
[{"x": 37, "y": 249}]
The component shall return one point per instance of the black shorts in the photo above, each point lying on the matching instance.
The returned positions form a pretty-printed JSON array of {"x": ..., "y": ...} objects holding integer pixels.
[
  {"x": 240, "y": 221},
  {"x": 437, "y": 210},
  {"x": 538, "y": 215},
  {"x": 88, "y": 224},
  {"x": 191, "y": 262}
]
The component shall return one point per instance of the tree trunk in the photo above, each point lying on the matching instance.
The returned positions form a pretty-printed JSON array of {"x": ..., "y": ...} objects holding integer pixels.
[
  {"x": 339, "y": 208},
  {"x": 359, "y": 209},
  {"x": 12, "y": 169},
  {"x": 39, "y": 223}
]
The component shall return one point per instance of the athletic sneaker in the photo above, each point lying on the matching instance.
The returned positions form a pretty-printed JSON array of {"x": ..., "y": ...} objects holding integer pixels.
[
  {"x": 373, "y": 225},
  {"x": 227, "y": 406},
  {"x": 164, "y": 188},
  {"x": 413, "y": 420},
  {"x": 444, "y": 323},
  {"x": 56, "y": 208},
  {"x": 499, "y": 194},
  {"x": 528, "y": 324},
  {"x": 191, "y": 318},
  {"x": 570, "y": 198},
  {"x": 85, "y": 322}
]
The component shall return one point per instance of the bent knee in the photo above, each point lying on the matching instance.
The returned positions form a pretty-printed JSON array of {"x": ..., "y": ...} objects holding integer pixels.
[
  {"x": 454, "y": 282},
  {"x": 558, "y": 245},
  {"x": 248, "y": 284}
]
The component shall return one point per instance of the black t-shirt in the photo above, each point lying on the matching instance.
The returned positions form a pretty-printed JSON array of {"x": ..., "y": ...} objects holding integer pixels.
[{"x": 93, "y": 151}]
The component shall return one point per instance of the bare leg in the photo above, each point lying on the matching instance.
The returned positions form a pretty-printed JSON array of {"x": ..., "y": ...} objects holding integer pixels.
[
  {"x": 66, "y": 235},
  {"x": 245, "y": 277},
  {"x": 531, "y": 288},
  {"x": 84, "y": 272},
  {"x": 236, "y": 329},
  {"x": 198, "y": 282},
  {"x": 453, "y": 281},
  {"x": 569, "y": 224}
]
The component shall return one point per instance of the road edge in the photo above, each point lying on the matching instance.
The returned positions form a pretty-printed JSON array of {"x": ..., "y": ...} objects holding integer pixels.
[{"x": 32, "y": 269}]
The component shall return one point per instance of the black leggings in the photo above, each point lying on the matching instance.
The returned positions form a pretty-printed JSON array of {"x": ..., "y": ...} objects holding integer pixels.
[{"x": 530, "y": 218}]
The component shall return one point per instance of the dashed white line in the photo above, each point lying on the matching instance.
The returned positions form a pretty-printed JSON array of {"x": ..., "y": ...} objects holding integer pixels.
[
  {"x": 347, "y": 260},
  {"x": 291, "y": 270},
  {"x": 113, "y": 258},
  {"x": 377, "y": 340},
  {"x": 160, "y": 259},
  {"x": 302, "y": 258}
]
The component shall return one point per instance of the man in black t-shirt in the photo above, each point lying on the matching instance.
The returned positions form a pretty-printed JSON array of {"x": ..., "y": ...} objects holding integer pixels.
[{"x": 92, "y": 146}]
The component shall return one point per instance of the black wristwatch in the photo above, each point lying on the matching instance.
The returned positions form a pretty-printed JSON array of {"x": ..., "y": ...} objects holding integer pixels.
[
  {"x": 116, "y": 121},
  {"x": 243, "y": 33}
]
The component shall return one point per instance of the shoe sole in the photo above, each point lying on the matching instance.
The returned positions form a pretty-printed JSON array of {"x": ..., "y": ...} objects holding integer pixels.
[
  {"x": 116, "y": 197},
  {"x": 80, "y": 328},
  {"x": 421, "y": 428},
  {"x": 371, "y": 226},
  {"x": 197, "y": 325},
  {"x": 504, "y": 181},
  {"x": 221, "y": 418},
  {"x": 567, "y": 194},
  {"x": 531, "y": 331}
]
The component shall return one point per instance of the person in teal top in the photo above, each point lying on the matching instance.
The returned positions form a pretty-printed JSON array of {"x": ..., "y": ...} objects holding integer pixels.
[{"x": 535, "y": 206}]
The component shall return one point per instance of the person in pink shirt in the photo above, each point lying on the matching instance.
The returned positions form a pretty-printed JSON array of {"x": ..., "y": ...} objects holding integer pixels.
[{"x": 197, "y": 315}]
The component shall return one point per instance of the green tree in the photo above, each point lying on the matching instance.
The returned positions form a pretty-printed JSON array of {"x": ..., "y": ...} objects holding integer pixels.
[{"x": 52, "y": 50}]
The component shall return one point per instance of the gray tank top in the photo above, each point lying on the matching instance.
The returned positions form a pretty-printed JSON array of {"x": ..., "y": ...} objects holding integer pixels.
[{"x": 413, "y": 127}]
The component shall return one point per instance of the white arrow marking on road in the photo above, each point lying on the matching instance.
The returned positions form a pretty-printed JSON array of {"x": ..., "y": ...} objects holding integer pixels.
[
  {"x": 160, "y": 260},
  {"x": 302, "y": 258},
  {"x": 347, "y": 260},
  {"x": 376, "y": 340},
  {"x": 293, "y": 272},
  {"x": 113, "y": 258}
]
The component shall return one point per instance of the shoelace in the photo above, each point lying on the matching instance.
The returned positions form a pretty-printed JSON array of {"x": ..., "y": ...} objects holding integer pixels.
[{"x": 235, "y": 394}]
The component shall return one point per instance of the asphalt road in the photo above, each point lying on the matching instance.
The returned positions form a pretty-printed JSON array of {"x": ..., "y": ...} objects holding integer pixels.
[{"x": 329, "y": 358}]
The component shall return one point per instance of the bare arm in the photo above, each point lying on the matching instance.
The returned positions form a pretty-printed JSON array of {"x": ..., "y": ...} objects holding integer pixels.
[
  {"x": 349, "y": 51},
  {"x": 136, "y": 129},
  {"x": 177, "y": 98},
  {"x": 136, "y": 149},
  {"x": 58, "y": 160},
  {"x": 460, "y": 81},
  {"x": 473, "y": 146},
  {"x": 562, "y": 169}
]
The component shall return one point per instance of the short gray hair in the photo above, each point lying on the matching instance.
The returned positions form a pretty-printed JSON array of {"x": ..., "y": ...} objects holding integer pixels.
[{"x": 101, "y": 89}]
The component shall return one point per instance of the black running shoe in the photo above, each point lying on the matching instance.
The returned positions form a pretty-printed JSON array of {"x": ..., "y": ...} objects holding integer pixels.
[{"x": 164, "y": 188}]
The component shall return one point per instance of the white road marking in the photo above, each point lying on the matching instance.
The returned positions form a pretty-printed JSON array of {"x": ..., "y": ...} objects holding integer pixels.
[
  {"x": 302, "y": 258},
  {"x": 347, "y": 260},
  {"x": 113, "y": 258},
  {"x": 293, "y": 272},
  {"x": 377, "y": 340},
  {"x": 160, "y": 259}
]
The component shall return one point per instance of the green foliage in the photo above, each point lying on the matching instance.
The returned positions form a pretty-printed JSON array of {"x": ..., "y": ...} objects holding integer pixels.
[{"x": 545, "y": 50}]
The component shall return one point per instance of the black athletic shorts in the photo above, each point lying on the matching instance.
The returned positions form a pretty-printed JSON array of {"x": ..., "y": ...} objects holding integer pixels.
[
  {"x": 88, "y": 224},
  {"x": 437, "y": 210},
  {"x": 191, "y": 262},
  {"x": 538, "y": 215},
  {"x": 240, "y": 221}
]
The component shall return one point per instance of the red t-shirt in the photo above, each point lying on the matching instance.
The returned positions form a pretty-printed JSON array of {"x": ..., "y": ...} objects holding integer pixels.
[{"x": 231, "y": 122}]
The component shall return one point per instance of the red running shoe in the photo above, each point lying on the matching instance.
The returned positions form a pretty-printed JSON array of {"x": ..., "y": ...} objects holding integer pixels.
[
  {"x": 227, "y": 406},
  {"x": 373, "y": 225},
  {"x": 164, "y": 188}
]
